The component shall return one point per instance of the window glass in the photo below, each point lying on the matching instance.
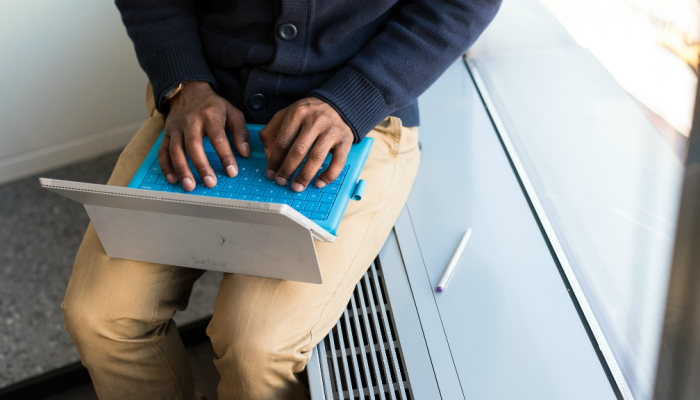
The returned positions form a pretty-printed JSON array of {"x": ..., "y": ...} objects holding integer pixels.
[
  {"x": 594, "y": 101},
  {"x": 650, "y": 47}
]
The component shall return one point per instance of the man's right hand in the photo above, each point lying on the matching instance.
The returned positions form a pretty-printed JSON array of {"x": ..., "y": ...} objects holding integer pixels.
[{"x": 195, "y": 112}]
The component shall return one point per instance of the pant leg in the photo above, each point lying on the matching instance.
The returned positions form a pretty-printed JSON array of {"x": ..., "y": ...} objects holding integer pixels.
[
  {"x": 264, "y": 329},
  {"x": 119, "y": 312}
]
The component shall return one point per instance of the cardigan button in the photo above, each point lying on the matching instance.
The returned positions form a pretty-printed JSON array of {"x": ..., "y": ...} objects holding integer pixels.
[
  {"x": 257, "y": 102},
  {"x": 287, "y": 32}
]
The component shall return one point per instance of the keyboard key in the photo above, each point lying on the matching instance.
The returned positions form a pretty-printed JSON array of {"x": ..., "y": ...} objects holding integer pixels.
[
  {"x": 150, "y": 186},
  {"x": 220, "y": 176},
  {"x": 320, "y": 216},
  {"x": 299, "y": 195},
  {"x": 178, "y": 189},
  {"x": 270, "y": 182},
  {"x": 258, "y": 191},
  {"x": 325, "y": 208},
  {"x": 298, "y": 205},
  {"x": 244, "y": 196},
  {"x": 155, "y": 169},
  {"x": 211, "y": 156},
  {"x": 312, "y": 187},
  {"x": 257, "y": 170},
  {"x": 243, "y": 169},
  {"x": 285, "y": 201},
  {"x": 271, "y": 191},
  {"x": 313, "y": 196},
  {"x": 150, "y": 178},
  {"x": 233, "y": 180},
  {"x": 259, "y": 180},
  {"x": 271, "y": 199},
  {"x": 327, "y": 198},
  {"x": 217, "y": 193},
  {"x": 205, "y": 192},
  {"x": 285, "y": 193},
  {"x": 312, "y": 206},
  {"x": 247, "y": 179},
  {"x": 243, "y": 189},
  {"x": 168, "y": 188},
  {"x": 258, "y": 198},
  {"x": 307, "y": 214},
  {"x": 161, "y": 180},
  {"x": 331, "y": 188},
  {"x": 220, "y": 184},
  {"x": 230, "y": 187},
  {"x": 231, "y": 195}
]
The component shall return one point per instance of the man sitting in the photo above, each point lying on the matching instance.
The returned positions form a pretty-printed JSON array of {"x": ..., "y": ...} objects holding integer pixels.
[{"x": 321, "y": 76}]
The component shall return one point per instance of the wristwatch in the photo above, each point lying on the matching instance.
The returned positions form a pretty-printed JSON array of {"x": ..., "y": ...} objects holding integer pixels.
[{"x": 170, "y": 94}]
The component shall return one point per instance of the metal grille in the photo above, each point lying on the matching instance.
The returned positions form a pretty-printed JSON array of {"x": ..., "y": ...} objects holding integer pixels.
[{"x": 361, "y": 357}]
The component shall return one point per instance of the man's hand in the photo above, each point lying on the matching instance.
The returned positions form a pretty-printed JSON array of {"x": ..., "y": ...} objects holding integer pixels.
[
  {"x": 309, "y": 126},
  {"x": 195, "y": 112}
]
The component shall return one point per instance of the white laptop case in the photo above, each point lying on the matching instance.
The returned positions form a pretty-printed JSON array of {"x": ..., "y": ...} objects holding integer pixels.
[{"x": 244, "y": 237}]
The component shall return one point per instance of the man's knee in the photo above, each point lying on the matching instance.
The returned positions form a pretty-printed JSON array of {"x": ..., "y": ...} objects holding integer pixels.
[
  {"x": 85, "y": 321},
  {"x": 85, "y": 324},
  {"x": 237, "y": 349},
  {"x": 93, "y": 324},
  {"x": 254, "y": 362}
]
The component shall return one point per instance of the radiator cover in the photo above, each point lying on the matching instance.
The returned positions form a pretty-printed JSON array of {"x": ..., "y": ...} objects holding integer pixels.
[{"x": 361, "y": 358}]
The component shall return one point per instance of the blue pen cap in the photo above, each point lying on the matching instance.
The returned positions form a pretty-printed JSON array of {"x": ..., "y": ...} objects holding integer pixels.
[{"x": 359, "y": 190}]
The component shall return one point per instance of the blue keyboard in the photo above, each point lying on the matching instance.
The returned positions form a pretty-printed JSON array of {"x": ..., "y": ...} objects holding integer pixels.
[
  {"x": 323, "y": 206},
  {"x": 252, "y": 184}
]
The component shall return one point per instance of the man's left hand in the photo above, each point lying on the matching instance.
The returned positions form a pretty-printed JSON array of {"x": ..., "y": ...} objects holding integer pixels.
[{"x": 309, "y": 126}]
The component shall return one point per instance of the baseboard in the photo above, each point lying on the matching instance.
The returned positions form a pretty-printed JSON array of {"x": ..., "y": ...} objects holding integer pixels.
[{"x": 70, "y": 152}]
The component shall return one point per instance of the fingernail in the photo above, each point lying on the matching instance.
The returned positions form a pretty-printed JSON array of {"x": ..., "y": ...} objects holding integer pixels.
[
  {"x": 320, "y": 183},
  {"x": 271, "y": 174},
  {"x": 297, "y": 187},
  {"x": 232, "y": 170},
  {"x": 281, "y": 181},
  {"x": 209, "y": 181},
  {"x": 187, "y": 184},
  {"x": 245, "y": 148},
  {"x": 171, "y": 178}
]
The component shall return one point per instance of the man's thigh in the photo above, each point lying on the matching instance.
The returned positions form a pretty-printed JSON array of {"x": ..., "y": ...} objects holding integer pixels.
[
  {"x": 289, "y": 318},
  {"x": 111, "y": 288}
]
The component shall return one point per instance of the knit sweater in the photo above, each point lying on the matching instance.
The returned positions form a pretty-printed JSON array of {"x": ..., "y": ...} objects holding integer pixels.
[{"x": 368, "y": 59}]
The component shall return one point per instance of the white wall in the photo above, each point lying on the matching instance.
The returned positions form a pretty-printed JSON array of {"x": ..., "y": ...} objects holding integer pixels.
[{"x": 70, "y": 85}]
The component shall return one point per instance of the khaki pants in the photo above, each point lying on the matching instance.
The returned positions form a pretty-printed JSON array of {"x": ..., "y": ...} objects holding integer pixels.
[{"x": 119, "y": 312}]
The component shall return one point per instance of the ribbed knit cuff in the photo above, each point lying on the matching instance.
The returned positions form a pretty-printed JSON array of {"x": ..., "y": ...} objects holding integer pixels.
[
  {"x": 356, "y": 99},
  {"x": 173, "y": 66}
]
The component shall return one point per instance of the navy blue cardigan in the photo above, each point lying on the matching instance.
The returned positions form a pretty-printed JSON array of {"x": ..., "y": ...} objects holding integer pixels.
[{"x": 367, "y": 58}]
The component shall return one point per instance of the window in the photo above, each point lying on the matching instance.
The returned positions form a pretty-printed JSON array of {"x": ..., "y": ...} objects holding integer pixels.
[{"x": 593, "y": 100}]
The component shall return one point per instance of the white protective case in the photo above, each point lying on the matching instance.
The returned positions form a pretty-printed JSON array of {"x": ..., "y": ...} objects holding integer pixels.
[{"x": 251, "y": 238}]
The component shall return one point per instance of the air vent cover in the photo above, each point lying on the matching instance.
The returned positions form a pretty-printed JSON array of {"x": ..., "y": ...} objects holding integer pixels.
[{"x": 361, "y": 358}]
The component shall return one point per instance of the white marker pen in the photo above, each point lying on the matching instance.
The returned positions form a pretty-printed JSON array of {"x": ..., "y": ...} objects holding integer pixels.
[{"x": 452, "y": 265}]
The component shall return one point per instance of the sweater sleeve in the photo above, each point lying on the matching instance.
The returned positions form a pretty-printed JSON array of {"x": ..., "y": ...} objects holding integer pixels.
[
  {"x": 166, "y": 38},
  {"x": 417, "y": 44}
]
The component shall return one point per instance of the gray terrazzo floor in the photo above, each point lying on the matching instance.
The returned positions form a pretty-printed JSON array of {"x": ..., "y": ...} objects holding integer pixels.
[{"x": 40, "y": 233}]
